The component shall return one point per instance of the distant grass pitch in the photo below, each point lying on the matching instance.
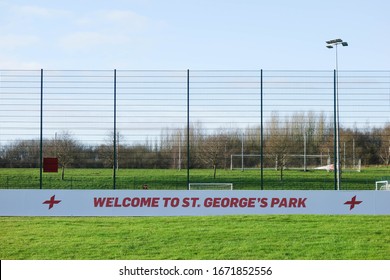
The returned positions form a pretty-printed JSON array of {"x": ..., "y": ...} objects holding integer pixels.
[
  {"x": 28, "y": 178},
  {"x": 293, "y": 237}
]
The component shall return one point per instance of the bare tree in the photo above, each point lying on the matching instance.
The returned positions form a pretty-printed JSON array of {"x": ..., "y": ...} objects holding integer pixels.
[
  {"x": 279, "y": 142},
  {"x": 22, "y": 153},
  {"x": 177, "y": 148},
  {"x": 384, "y": 151},
  {"x": 212, "y": 150},
  {"x": 108, "y": 154},
  {"x": 65, "y": 149}
]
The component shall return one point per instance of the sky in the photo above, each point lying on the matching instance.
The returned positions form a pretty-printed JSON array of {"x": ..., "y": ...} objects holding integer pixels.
[{"x": 193, "y": 34}]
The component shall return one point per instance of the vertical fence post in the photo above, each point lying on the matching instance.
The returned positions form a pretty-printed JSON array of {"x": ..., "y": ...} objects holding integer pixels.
[
  {"x": 261, "y": 133},
  {"x": 188, "y": 129},
  {"x": 41, "y": 137},
  {"x": 114, "y": 142}
]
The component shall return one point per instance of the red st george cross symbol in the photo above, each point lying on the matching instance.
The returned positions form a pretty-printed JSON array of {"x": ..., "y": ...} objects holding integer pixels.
[
  {"x": 352, "y": 203},
  {"x": 52, "y": 201}
]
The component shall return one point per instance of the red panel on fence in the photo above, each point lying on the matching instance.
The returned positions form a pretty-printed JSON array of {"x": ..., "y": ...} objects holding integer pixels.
[{"x": 50, "y": 165}]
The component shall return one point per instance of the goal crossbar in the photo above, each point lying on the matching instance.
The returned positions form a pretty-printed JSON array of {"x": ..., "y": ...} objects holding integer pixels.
[{"x": 210, "y": 186}]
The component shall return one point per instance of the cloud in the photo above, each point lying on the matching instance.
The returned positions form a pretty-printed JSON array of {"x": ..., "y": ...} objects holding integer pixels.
[
  {"x": 107, "y": 28},
  {"x": 116, "y": 21},
  {"x": 12, "y": 63},
  {"x": 127, "y": 19},
  {"x": 16, "y": 41},
  {"x": 70, "y": 35},
  {"x": 37, "y": 11},
  {"x": 90, "y": 39}
]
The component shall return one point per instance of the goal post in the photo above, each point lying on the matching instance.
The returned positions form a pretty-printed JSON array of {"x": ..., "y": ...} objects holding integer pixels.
[
  {"x": 210, "y": 186},
  {"x": 253, "y": 161}
]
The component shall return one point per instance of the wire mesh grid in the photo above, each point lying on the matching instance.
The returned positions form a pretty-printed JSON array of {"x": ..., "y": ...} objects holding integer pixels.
[{"x": 255, "y": 129}]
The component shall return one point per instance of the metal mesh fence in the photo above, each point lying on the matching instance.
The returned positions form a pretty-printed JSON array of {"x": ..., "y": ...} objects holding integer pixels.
[{"x": 125, "y": 129}]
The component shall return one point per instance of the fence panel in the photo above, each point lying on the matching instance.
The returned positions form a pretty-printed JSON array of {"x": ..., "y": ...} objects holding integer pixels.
[
  {"x": 299, "y": 128},
  {"x": 225, "y": 122},
  {"x": 255, "y": 129}
]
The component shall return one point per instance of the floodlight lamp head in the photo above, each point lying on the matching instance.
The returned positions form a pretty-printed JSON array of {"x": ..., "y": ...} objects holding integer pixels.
[
  {"x": 334, "y": 41},
  {"x": 345, "y": 44},
  {"x": 329, "y": 46}
]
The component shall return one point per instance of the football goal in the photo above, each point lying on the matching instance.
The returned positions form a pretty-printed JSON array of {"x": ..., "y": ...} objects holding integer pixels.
[
  {"x": 382, "y": 186},
  {"x": 210, "y": 186},
  {"x": 298, "y": 161},
  {"x": 303, "y": 162}
]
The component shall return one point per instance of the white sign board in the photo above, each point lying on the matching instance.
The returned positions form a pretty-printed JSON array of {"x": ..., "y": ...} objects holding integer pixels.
[{"x": 189, "y": 203}]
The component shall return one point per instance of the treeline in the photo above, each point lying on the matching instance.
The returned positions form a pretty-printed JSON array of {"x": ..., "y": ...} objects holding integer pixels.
[{"x": 299, "y": 134}]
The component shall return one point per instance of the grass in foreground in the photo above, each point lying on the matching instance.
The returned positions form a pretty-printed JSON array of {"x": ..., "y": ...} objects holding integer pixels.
[{"x": 196, "y": 238}]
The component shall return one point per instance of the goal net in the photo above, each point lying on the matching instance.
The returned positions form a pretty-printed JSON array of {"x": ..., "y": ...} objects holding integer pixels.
[
  {"x": 302, "y": 162},
  {"x": 210, "y": 186},
  {"x": 298, "y": 162}
]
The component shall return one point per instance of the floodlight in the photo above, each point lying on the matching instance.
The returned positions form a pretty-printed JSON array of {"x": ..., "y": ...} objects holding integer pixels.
[
  {"x": 330, "y": 45},
  {"x": 334, "y": 41}
]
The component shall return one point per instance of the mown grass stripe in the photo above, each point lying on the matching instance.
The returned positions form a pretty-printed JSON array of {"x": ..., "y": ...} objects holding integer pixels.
[{"x": 217, "y": 237}]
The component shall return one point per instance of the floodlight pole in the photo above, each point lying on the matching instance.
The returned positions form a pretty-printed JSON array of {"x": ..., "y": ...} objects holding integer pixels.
[
  {"x": 41, "y": 137},
  {"x": 188, "y": 129},
  {"x": 115, "y": 156},
  {"x": 337, "y": 166}
]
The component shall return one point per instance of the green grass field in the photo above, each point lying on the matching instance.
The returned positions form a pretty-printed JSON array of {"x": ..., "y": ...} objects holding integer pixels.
[
  {"x": 175, "y": 179},
  {"x": 294, "y": 237},
  {"x": 227, "y": 237}
]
